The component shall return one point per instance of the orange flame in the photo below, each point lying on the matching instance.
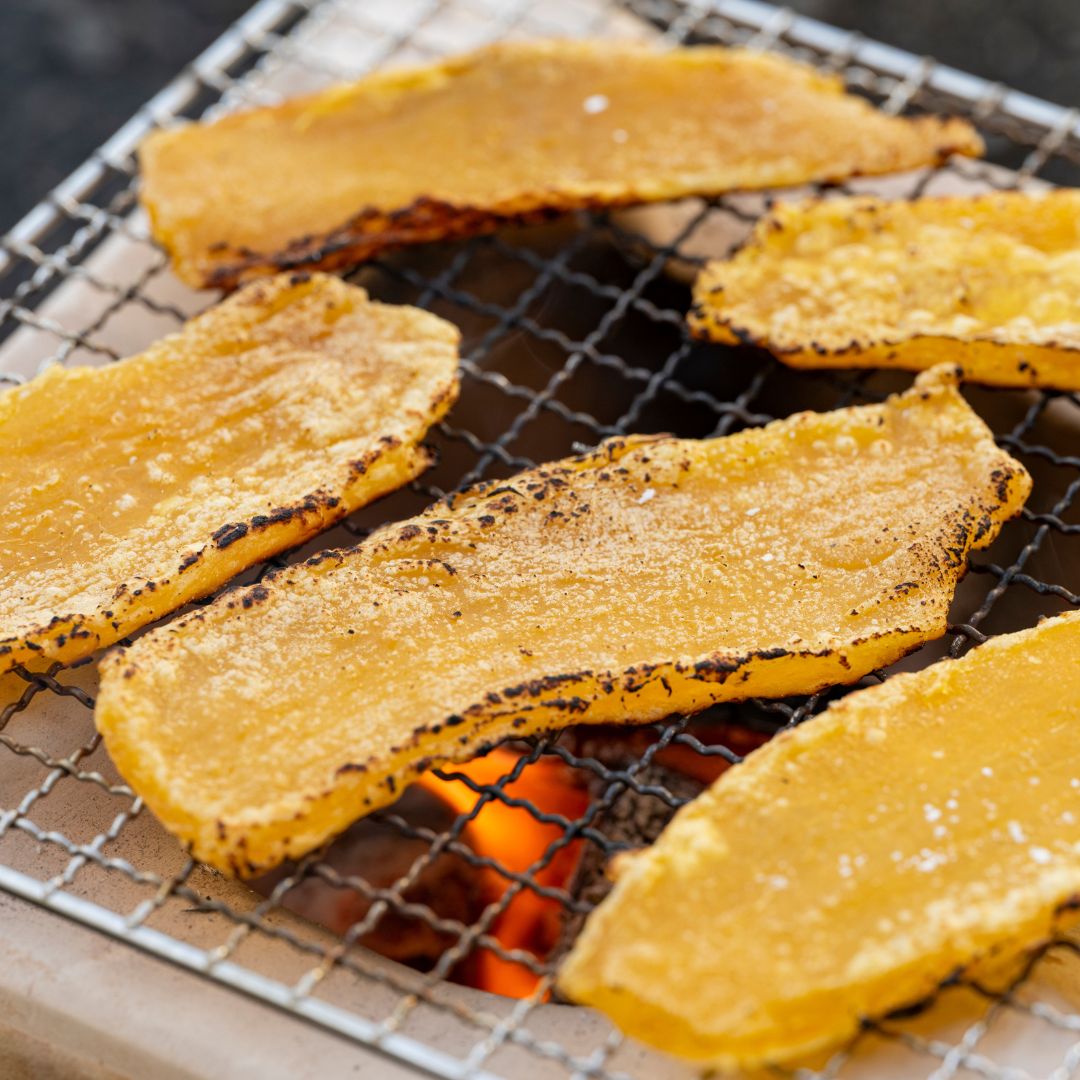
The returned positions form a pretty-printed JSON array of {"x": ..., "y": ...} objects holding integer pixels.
[{"x": 514, "y": 838}]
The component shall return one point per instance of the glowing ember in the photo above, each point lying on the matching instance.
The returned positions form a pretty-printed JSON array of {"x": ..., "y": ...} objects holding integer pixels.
[
  {"x": 457, "y": 891},
  {"x": 512, "y": 837}
]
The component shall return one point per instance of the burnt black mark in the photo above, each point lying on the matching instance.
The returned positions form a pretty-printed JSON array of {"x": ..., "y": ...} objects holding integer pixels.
[
  {"x": 229, "y": 534},
  {"x": 351, "y": 767},
  {"x": 330, "y": 554},
  {"x": 190, "y": 560},
  {"x": 542, "y": 685},
  {"x": 573, "y": 705},
  {"x": 255, "y": 595}
]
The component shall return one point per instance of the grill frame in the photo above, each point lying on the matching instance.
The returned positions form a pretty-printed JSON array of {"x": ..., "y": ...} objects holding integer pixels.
[{"x": 56, "y": 244}]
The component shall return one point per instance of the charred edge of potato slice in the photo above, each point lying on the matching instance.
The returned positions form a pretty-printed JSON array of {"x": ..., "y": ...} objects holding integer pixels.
[
  {"x": 990, "y": 872},
  {"x": 245, "y": 846},
  {"x": 430, "y": 212},
  {"x": 1050, "y": 363},
  {"x": 390, "y": 461},
  {"x": 233, "y": 548},
  {"x": 372, "y": 232}
]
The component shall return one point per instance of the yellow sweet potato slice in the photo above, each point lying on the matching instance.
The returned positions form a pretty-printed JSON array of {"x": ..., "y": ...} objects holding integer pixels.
[
  {"x": 510, "y": 131},
  {"x": 651, "y": 576},
  {"x": 854, "y": 863},
  {"x": 991, "y": 282},
  {"x": 130, "y": 489}
]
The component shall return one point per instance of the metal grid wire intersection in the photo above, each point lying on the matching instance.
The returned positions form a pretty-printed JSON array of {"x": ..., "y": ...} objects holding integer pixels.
[{"x": 572, "y": 333}]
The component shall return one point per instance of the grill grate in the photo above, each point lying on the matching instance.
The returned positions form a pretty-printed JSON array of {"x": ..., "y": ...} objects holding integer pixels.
[{"x": 572, "y": 332}]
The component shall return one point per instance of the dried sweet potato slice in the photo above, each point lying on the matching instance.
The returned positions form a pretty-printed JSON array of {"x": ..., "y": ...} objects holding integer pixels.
[
  {"x": 653, "y": 575},
  {"x": 130, "y": 489},
  {"x": 991, "y": 282},
  {"x": 515, "y": 130},
  {"x": 851, "y": 865}
]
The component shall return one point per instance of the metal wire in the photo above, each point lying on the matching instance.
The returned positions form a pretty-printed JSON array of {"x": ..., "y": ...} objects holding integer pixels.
[{"x": 573, "y": 332}]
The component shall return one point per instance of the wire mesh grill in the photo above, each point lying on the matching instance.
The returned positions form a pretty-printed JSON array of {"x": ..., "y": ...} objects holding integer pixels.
[{"x": 572, "y": 332}]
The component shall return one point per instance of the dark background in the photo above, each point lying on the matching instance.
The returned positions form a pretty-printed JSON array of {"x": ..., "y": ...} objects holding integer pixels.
[{"x": 72, "y": 71}]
